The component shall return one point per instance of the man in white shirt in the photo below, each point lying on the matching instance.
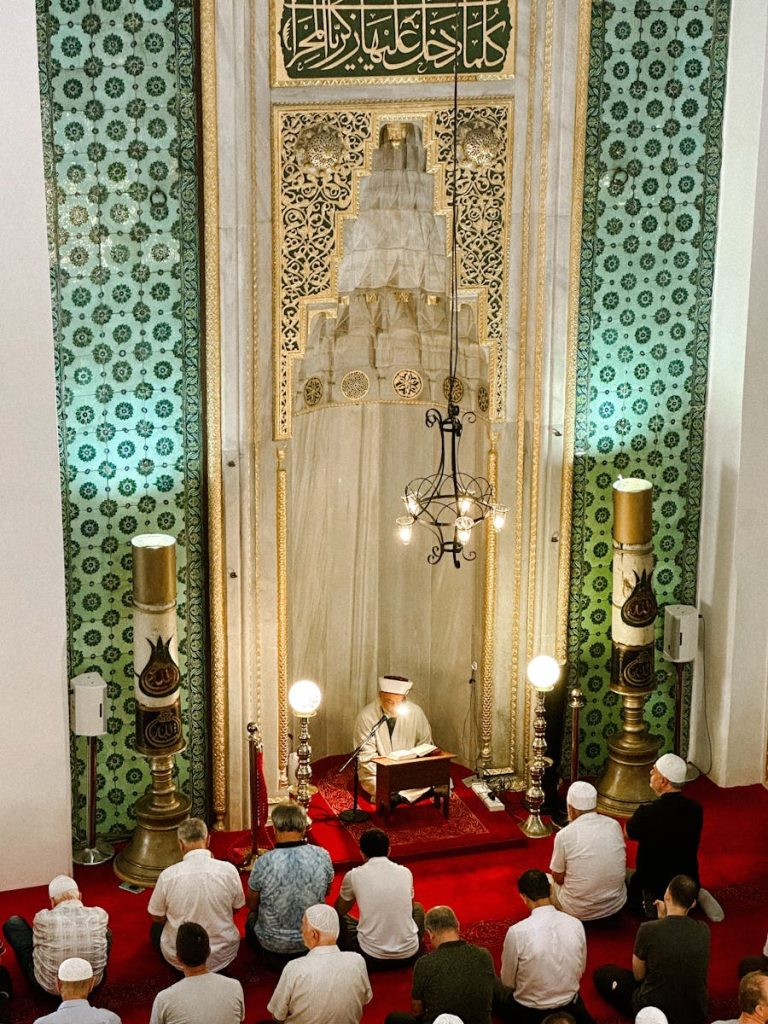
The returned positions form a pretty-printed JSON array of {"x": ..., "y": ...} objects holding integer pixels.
[
  {"x": 198, "y": 889},
  {"x": 404, "y": 726},
  {"x": 542, "y": 960},
  {"x": 74, "y": 984},
  {"x": 200, "y": 997},
  {"x": 68, "y": 929},
  {"x": 391, "y": 923},
  {"x": 589, "y": 859},
  {"x": 326, "y": 986}
]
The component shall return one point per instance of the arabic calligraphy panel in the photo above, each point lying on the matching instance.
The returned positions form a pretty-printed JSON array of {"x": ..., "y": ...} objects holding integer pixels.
[{"x": 334, "y": 41}]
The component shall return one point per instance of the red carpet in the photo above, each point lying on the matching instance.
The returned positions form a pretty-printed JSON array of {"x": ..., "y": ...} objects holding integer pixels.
[
  {"x": 480, "y": 885},
  {"x": 415, "y": 831}
]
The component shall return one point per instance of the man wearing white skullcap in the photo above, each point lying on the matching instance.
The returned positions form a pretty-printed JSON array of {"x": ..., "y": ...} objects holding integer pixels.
[
  {"x": 75, "y": 982},
  {"x": 667, "y": 831},
  {"x": 650, "y": 1015},
  {"x": 589, "y": 859},
  {"x": 401, "y": 726},
  {"x": 326, "y": 986},
  {"x": 68, "y": 929}
]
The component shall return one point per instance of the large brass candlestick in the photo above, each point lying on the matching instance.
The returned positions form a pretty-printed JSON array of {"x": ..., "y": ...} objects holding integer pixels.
[
  {"x": 158, "y": 710},
  {"x": 543, "y": 673},
  {"x": 624, "y": 783}
]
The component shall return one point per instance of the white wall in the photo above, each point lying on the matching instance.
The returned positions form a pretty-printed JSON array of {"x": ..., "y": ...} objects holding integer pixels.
[
  {"x": 733, "y": 582},
  {"x": 35, "y": 776}
]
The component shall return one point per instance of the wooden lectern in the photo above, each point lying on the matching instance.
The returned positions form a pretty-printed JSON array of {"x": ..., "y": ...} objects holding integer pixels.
[{"x": 432, "y": 771}]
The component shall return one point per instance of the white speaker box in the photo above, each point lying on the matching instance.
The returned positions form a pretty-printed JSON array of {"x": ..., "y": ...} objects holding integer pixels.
[
  {"x": 87, "y": 704},
  {"x": 681, "y": 632}
]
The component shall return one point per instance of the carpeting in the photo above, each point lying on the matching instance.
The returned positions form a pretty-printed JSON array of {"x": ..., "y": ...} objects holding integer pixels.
[
  {"x": 416, "y": 830},
  {"x": 480, "y": 885}
]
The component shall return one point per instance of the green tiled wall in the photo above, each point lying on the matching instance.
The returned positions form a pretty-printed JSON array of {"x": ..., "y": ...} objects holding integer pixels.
[
  {"x": 119, "y": 111},
  {"x": 656, "y": 86}
]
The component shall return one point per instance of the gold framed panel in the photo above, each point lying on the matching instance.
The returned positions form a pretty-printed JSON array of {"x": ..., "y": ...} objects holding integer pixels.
[{"x": 334, "y": 23}]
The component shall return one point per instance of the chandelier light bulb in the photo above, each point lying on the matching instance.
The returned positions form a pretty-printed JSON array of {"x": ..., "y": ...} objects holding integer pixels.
[
  {"x": 304, "y": 697},
  {"x": 405, "y": 528},
  {"x": 465, "y": 503},
  {"x": 499, "y": 516},
  {"x": 463, "y": 529},
  {"x": 412, "y": 503},
  {"x": 543, "y": 672}
]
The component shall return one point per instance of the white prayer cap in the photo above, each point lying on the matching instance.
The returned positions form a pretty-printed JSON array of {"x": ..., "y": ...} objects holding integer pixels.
[
  {"x": 394, "y": 684},
  {"x": 323, "y": 918},
  {"x": 582, "y": 796},
  {"x": 60, "y": 885},
  {"x": 448, "y": 1018},
  {"x": 75, "y": 969},
  {"x": 651, "y": 1014},
  {"x": 673, "y": 768}
]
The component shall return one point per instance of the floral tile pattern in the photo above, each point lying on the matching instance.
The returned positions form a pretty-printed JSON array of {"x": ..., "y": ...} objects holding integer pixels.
[
  {"x": 654, "y": 126},
  {"x": 119, "y": 107}
]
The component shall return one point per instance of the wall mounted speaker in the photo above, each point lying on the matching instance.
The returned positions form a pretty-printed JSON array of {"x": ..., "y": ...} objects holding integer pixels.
[
  {"x": 681, "y": 632},
  {"x": 87, "y": 704}
]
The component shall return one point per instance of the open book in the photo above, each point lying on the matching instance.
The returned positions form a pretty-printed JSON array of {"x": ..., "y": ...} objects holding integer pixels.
[{"x": 421, "y": 751}]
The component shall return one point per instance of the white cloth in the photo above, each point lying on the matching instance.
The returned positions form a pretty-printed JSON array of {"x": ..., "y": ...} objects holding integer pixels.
[
  {"x": 383, "y": 891},
  {"x": 69, "y": 929},
  {"x": 324, "y": 987},
  {"x": 200, "y": 999},
  {"x": 206, "y": 891},
  {"x": 410, "y": 729},
  {"x": 544, "y": 957},
  {"x": 592, "y": 853}
]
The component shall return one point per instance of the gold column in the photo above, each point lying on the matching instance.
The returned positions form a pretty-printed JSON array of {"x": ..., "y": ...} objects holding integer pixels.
[
  {"x": 625, "y": 782},
  {"x": 489, "y": 615},
  {"x": 282, "y": 616}
]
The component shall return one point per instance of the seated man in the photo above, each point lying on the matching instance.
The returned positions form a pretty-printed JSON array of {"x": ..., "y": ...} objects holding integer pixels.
[
  {"x": 400, "y": 731},
  {"x": 667, "y": 833},
  {"x": 201, "y": 997},
  {"x": 68, "y": 929},
  {"x": 455, "y": 978},
  {"x": 326, "y": 986},
  {"x": 589, "y": 859},
  {"x": 75, "y": 981},
  {"x": 669, "y": 963},
  {"x": 391, "y": 922},
  {"x": 198, "y": 888},
  {"x": 283, "y": 883},
  {"x": 542, "y": 960},
  {"x": 753, "y": 999}
]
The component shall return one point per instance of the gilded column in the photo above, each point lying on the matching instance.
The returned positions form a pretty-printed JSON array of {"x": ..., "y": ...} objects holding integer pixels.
[
  {"x": 489, "y": 617},
  {"x": 624, "y": 784},
  {"x": 282, "y": 615}
]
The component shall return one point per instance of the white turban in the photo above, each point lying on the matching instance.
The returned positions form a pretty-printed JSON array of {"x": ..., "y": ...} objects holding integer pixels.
[
  {"x": 582, "y": 796},
  {"x": 75, "y": 969},
  {"x": 324, "y": 919},
  {"x": 60, "y": 885},
  {"x": 673, "y": 768},
  {"x": 651, "y": 1014},
  {"x": 390, "y": 684},
  {"x": 448, "y": 1018}
]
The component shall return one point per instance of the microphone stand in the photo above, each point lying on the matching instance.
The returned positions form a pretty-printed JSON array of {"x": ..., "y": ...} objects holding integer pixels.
[{"x": 355, "y": 815}]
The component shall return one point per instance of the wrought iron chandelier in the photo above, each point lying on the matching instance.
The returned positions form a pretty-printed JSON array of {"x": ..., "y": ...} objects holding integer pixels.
[{"x": 450, "y": 503}]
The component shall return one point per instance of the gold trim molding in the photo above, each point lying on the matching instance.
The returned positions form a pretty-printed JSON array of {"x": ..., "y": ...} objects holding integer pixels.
[
  {"x": 216, "y": 556},
  {"x": 282, "y": 615},
  {"x": 489, "y": 615}
]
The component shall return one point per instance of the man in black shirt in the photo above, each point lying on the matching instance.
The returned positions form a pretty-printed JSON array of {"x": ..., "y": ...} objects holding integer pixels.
[
  {"x": 669, "y": 962},
  {"x": 456, "y": 977},
  {"x": 667, "y": 832}
]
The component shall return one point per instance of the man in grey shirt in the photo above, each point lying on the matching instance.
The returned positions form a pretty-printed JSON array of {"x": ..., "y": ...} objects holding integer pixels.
[
  {"x": 201, "y": 997},
  {"x": 75, "y": 981}
]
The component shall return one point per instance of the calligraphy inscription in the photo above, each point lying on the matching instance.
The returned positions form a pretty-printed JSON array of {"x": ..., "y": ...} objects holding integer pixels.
[
  {"x": 337, "y": 39},
  {"x": 158, "y": 730}
]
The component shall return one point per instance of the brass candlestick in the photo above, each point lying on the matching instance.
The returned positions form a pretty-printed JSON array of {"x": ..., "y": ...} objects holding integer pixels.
[
  {"x": 304, "y": 698},
  {"x": 543, "y": 673}
]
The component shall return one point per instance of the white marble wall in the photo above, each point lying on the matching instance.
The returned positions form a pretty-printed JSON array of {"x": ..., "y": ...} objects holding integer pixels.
[{"x": 35, "y": 841}]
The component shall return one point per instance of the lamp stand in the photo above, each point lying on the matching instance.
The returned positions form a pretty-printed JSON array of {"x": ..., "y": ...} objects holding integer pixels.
[
  {"x": 533, "y": 827},
  {"x": 93, "y": 851},
  {"x": 304, "y": 770}
]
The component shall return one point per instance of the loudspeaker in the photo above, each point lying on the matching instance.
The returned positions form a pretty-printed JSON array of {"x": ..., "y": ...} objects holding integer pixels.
[
  {"x": 681, "y": 632},
  {"x": 86, "y": 705}
]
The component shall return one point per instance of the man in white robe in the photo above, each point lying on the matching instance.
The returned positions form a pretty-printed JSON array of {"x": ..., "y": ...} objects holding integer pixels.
[{"x": 405, "y": 726}]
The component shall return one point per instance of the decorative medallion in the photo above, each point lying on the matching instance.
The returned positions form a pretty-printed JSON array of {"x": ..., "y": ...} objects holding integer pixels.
[
  {"x": 480, "y": 143},
  {"x": 640, "y": 607},
  {"x": 355, "y": 385},
  {"x": 320, "y": 148},
  {"x": 407, "y": 383},
  {"x": 633, "y": 667},
  {"x": 483, "y": 401},
  {"x": 313, "y": 391},
  {"x": 160, "y": 676},
  {"x": 453, "y": 389}
]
